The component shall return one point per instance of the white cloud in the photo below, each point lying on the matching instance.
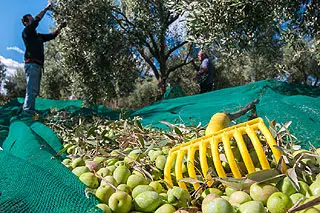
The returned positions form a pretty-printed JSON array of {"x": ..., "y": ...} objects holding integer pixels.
[
  {"x": 16, "y": 49},
  {"x": 11, "y": 65}
]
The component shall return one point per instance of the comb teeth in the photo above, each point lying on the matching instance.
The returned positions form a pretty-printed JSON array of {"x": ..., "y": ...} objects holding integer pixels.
[{"x": 208, "y": 146}]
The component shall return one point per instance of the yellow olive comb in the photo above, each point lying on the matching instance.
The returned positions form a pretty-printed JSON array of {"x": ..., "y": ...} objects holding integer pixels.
[{"x": 208, "y": 145}]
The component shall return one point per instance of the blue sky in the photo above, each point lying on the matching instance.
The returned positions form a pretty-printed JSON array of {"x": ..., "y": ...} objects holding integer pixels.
[{"x": 11, "y": 42}]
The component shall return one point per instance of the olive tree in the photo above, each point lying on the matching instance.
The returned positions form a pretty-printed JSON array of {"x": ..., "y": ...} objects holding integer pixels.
[
  {"x": 234, "y": 25},
  {"x": 93, "y": 51},
  {"x": 16, "y": 84},
  {"x": 300, "y": 62},
  {"x": 155, "y": 33},
  {"x": 258, "y": 31},
  {"x": 56, "y": 81}
]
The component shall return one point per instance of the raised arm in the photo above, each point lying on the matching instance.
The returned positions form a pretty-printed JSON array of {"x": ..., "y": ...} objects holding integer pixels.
[
  {"x": 59, "y": 28},
  {"x": 53, "y": 35},
  {"x": 43, "y": 12}
]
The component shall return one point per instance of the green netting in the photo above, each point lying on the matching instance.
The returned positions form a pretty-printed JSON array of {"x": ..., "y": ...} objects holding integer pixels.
[
  {"x": 278, "y": 101},
  {"x": 173, "y": 92},
  {"x": 32, "y": 176},
  {"x": 33, "y": 179},
  {"x": 74, "y": 106}
]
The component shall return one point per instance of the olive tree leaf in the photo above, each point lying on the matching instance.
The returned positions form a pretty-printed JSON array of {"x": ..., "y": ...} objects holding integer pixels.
[
  {"x": 141, "y": 140},
  {"x": 292, "y": 175},
  {"x": 238, "y": 184},
  {"x": 138, "y": 124},
  {"x": 190, "y": 180},
  {"x": 263, "y": 175},
  {"x": 64, "y": 149}
]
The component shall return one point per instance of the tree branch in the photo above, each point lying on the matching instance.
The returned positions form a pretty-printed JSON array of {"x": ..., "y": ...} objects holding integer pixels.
[
  {"x": 175, "y": 48},
  {"x": 244, "y": 110},
  {"x": 173, "y": 19},
  {"x": 123, "y": 15},
  {"x": 154, "y": 52},
  {"x": 177, "y": 67},
  {"x": 153, "y": 49},
  {"x": 182, "y": 64},
  {"x": 150, "y": 62}
]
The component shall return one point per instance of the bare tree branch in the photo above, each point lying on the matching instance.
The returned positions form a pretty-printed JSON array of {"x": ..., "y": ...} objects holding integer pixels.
[
  {"x": 155, "y": 46},
  {"x": 177, "y": 67},
  {"x": 173, "y": 19},
  {"x": 243, "y": 110},
  {"x": 174, "y": 49},
  {"x": 123, "y": 15},
  {"x": 150, "y": 62}
]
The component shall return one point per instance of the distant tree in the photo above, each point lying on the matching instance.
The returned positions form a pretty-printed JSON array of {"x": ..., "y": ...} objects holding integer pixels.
[
  {"x": 302, "y": 41},
  {"x": 300, "y": 62},
  {"x": 3, "y": 70},
  {"x": 145, "y": 93},
  {"x": 16, "y": 84},
  {"x": 55, "y": 83}
]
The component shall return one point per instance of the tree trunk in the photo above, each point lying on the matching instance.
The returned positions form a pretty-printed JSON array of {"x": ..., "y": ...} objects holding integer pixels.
[
  {"x": 316, "y": 82},
  {"x": 162, "y": 82},
  {"x": 305, "y": 78}
]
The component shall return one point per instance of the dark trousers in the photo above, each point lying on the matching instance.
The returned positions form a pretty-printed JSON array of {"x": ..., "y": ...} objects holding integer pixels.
[{"x": 205, "y": 87}]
